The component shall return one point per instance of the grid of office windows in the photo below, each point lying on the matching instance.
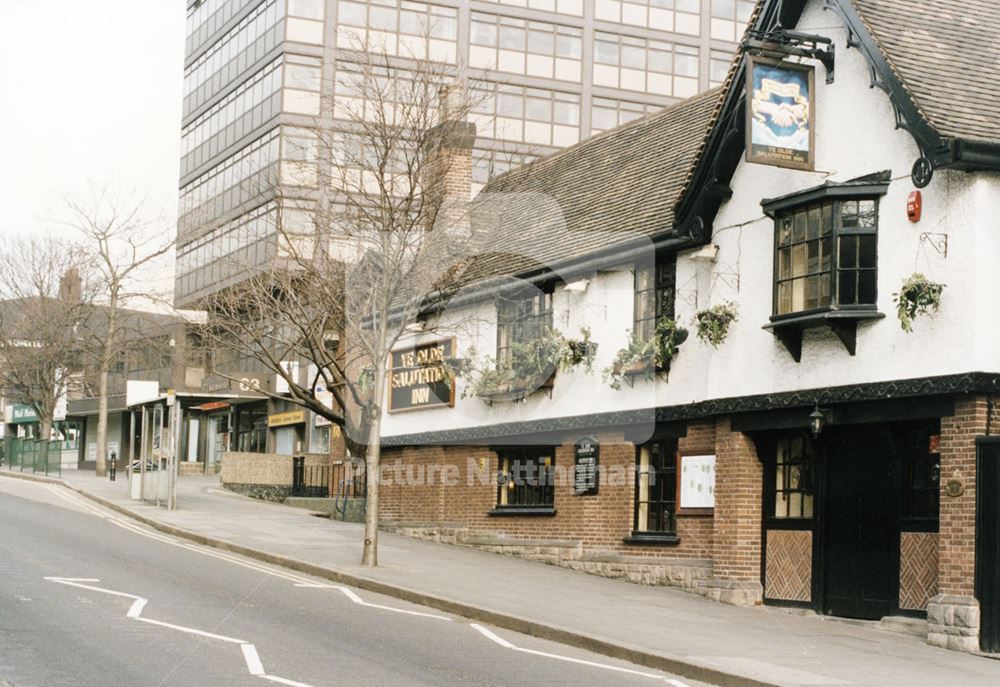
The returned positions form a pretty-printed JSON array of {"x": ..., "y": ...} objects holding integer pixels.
[
  {"x": 574, "y": 7},
  {"x": 518, "y": 46},
  {"x": 637, "y": 64},
  {"x": 415, "y": 30},
  {"x": 230, "y": 249},
  {"x": 254, "y": 37},
  {"x": 719, "y": 63},
  {"x": 606, "y": 113},
  {"x": 729, "y": 17},
  {"x": 255, "y": 101},
  {"x": 487, "y": 164},
  {"x": 529, "y": 115},
  {"x": 679, "y": 16},
  {"x": 231, "y": 183},
  {"x": 354, "y": 89},
  {"x": 208, "y": 17}
]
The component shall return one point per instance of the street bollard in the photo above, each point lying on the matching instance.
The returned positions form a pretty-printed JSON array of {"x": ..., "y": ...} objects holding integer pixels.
[{"x": 112, "y": 464}]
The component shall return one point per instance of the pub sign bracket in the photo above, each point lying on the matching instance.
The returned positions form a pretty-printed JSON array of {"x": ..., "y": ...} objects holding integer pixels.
[{"x": 780, "y": 43}]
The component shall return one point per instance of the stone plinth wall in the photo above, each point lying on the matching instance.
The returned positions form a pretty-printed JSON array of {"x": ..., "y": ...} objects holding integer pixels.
[{"x": 263, "y": 468}]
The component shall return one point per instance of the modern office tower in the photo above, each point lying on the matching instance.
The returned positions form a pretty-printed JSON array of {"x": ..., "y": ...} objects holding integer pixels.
[{"x": 258, "y": 72}]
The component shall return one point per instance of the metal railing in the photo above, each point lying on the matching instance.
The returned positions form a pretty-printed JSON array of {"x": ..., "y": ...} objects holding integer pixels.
[
  {"x": 310, "y": 480},
  {"x": 40, "y": 457}
]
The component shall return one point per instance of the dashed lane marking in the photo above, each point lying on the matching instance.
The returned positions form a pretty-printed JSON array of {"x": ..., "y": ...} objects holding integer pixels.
[{"x": 250, "y": 656}]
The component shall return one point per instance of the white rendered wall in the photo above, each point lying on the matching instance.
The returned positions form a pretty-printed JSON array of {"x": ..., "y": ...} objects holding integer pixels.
[{"x": 855, "y": 136}]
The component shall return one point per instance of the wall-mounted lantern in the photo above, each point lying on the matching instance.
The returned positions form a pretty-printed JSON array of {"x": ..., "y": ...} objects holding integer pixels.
[{"x": 817, "y": 420}]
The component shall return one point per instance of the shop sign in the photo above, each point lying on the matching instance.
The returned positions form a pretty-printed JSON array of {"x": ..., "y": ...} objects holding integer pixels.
[
  {"x": 418, "y": 377},
  {"x": 213, "y": 405},
  {"x": 586, "y": 456},
  {"x": 21, "y": 413},
  {"x": 292, "y": 417},
  {"x": 780, "y": 114}
]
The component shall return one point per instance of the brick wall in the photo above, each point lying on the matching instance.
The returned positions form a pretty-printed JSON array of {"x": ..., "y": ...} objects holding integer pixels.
[
  {"x": 957, "y": 538},
  {"x": 738, "y": 488},
  {"x": 599, "y": 522}
]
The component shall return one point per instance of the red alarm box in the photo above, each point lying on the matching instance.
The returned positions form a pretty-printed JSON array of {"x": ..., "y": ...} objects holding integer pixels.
[{"x": 914, "y": 205}]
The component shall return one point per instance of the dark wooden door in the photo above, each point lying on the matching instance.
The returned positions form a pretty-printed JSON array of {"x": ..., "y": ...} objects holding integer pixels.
[
  {"x": 861, "y": 532},
  {"x": 988, "y": 541}
]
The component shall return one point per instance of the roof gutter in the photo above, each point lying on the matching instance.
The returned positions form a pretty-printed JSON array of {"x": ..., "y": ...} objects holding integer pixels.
[
  {"x": 624, "y": 252},
  {"x": 972, "y": 155}
]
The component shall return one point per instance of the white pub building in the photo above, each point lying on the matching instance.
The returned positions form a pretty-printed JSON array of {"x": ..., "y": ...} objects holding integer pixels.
[{"x": 746, "y": 345}]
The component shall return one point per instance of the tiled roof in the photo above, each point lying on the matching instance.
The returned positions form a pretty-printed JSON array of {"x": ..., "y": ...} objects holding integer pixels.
[
  {"x": 619, "y": 185},
  {"x": 947, "y": 54}
]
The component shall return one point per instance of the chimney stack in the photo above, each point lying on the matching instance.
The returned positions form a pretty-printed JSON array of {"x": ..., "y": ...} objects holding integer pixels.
[{"x": 71, "y": 286}]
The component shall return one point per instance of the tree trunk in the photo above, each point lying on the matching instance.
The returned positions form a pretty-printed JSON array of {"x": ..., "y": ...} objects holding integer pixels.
[
  {"x": 373, "y": 457},
  {"x": 45, "y": 427},
  {"x": 102, "y": 422}
]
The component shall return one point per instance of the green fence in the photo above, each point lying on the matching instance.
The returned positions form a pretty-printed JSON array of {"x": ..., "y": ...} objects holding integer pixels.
[{"x": 29, "y": 455}]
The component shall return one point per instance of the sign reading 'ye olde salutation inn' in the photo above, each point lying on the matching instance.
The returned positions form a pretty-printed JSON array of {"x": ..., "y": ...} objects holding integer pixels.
[{"x": 418, "y": 377}]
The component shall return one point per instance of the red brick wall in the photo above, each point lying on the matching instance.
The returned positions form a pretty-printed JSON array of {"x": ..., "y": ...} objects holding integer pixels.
[
  {"x": 600, "y": 521},
  {"x": 957, "y": 538},
  {"x": 738, "y": 488}
]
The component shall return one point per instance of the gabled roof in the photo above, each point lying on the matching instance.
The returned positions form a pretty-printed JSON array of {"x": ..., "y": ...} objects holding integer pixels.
[
  {"x": 947, "y": 54},
  {"x": 937, "y": 60},
  {"x": 616, "y": 186}
]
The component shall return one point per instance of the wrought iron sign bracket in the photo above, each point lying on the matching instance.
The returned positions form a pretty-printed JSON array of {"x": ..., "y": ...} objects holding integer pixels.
[
  {"x": 938, "y": 242},
  {"x": 780, "y": 43}
]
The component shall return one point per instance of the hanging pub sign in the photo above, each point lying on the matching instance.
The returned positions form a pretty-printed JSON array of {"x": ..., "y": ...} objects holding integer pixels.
[
  {"x": 780, "y": 114},
  {"x": 418, "y": 377},
  {"x": 586, "y": 455}
]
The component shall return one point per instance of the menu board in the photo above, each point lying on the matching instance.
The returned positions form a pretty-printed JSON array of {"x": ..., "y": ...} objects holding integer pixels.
[
  {"x": 696, "y": 484},
  {"x": 585, "y": 467}
]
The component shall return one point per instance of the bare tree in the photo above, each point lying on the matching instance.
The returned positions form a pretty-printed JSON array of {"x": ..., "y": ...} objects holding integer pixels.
[
  {"x": 44, "y": 295},
  {"x": 122, "y": 246},
  {"x": 369, "y": 229}
]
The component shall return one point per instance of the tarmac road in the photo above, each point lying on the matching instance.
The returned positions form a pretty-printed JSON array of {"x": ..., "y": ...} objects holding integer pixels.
[{"x": 89, "y": 597}]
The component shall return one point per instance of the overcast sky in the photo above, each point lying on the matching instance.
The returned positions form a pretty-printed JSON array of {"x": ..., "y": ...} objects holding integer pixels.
[{"x": 90, "y": 93}]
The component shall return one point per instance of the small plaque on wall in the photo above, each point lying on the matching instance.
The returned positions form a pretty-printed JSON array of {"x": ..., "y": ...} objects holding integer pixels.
[
  {"x": 695, "y": 485},
  {"x": 586, "y": 458}
]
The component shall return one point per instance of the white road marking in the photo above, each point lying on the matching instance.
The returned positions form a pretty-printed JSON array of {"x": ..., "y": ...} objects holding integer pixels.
[
  {"x": 250, "y": 655},
  {"x": 253, "y": 660},
  {"x": 303, "y": 582},
  {"x": 507, "y": 645},
  {"x": 350, "y": 594}
]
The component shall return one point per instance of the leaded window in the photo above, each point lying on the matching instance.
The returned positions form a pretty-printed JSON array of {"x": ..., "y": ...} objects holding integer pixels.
[
  {"x": 826, "y": 255},
  {"x": 793, "y": 478},
  {"x": 656, "y": 488},
  {"x": 521, "y": 319},
  {"x": 526, "y": 478},
  {"x": 923, "y": 476},
  {"x": 654, "y": 294}
]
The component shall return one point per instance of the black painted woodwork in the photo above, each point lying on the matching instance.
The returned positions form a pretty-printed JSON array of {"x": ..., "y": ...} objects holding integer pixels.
[{"x": 988, "y": 541}]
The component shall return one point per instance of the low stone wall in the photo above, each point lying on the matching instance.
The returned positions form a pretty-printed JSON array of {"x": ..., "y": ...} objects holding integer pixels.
[
  {"x": 263, "y": 468},
  {"x": 686, "y": 573},
  {"x": 264, "y": 492}
]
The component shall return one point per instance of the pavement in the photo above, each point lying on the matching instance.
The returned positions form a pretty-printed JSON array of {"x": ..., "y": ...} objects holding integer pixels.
[
  {"x": 657, "y": 627},
  {"x": 89, "y": 597}
]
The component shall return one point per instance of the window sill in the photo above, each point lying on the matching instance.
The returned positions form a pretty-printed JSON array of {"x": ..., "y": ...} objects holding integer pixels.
[
  {"x": 843, "y": 322},
  {"x": 514, "y": 511},
  {"x": 652, "y": 539}
]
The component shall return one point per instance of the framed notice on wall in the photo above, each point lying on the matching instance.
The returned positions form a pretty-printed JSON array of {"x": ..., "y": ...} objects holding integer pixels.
[
  {"x": 781, "y": 115},
  {"x": 695, "y": 485}
]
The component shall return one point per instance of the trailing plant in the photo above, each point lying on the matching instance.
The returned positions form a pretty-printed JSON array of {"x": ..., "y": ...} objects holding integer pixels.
[
  {"x": 713, "y": 323},
  {"x": 530, "y": 364},
  {"x": 365, "y": 379},
  {"x": 644, "y": 356},
  {"x": 917, "y": 296}
]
